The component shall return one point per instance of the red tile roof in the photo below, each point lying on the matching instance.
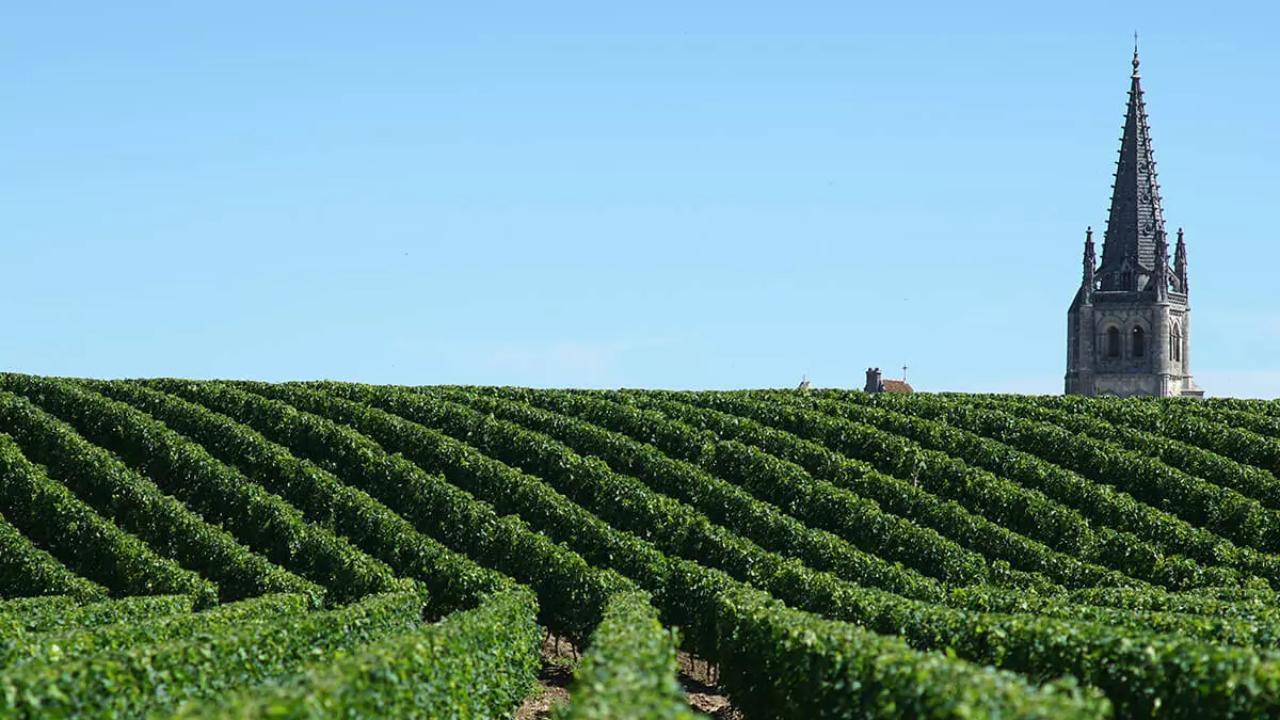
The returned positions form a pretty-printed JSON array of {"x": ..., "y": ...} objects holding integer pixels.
[{"x": 895, "y": 386}]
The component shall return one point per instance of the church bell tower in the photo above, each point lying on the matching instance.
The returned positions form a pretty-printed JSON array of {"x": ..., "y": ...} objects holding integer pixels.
[{"x": 1128, "y": 328}]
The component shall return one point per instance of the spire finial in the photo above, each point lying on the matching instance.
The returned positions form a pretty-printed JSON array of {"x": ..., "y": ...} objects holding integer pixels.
[
  {"x": 1090, "y": 260},
  {"x": 1135, "y": 53}
]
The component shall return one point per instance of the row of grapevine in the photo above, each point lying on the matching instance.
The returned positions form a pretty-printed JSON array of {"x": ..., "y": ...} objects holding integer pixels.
[
  {"x": 1259, "y": 633},
  {"x": 796, "y": 665},
  {"x": 137, "y": 506},
  {"x": 721, "y": 502},
  {"x": 1191, "y": 459},
  {"x": 757, "y": 451},
  {"x": 630, "y": 667},
  {"x": 1215, "y": 558},
  {"x": 475, "y": 663},
  {"x": 1205, "y": 568},
  {"x": 130, "y": 622},
  {"x": 832, "y": 554},
  {"x": 685, "y": 604},
  {"x": 1250, "y": 405},
  {"x": 48, "y": 512},
  {"x": 1217, "y": 509},
  {"x": 56, "y": 613},
  {"x": 755, "y": 469},
  {"x": 571, "y": 593},
  {"x": 454, "y": 581},
  {"x": 1042, "y": 647},
  {"x": 994, "y": 496},
  {"x": 152, "y": 678},
  {"x": 15, "y": 608},
  {"x": 626, "y": 520},
  {"x": 262, "y": 521},
  {"x": 28, "y": 569},
  {"x": 691, "y": 588},
  {"x": 1245, "y": 436}
]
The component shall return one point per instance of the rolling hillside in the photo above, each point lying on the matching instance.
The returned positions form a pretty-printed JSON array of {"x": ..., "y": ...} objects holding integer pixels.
[{"x": 243, "y": 549}]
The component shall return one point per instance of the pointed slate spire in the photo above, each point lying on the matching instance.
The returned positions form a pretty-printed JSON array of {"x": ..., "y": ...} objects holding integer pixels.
[{"x": 1135, "y": 220}]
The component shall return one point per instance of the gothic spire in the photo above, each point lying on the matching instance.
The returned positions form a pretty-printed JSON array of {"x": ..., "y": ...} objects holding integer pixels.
[
  {"x": 1135, "y": 220},
  {"x": 1160, "y": 278},
  {"x": 1180, "y": 263},
  {"x": 1090, "y": 264}
]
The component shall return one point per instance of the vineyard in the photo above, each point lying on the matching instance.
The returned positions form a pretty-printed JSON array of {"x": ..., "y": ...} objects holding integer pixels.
[{"x": 172, "y": 548}]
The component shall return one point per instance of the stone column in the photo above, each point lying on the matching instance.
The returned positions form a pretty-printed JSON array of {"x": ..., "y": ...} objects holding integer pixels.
[
  {"x": 1086, "y": 333},
  {"x": 1185, "y": 370},
  {"x": 1160, "y": 362}
]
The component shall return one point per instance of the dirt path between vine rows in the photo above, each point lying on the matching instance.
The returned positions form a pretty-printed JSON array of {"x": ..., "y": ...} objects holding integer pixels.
[
  {"x": 704, "y": 695},
  {"x": 553, "y": 681},
  {"x": 558, "y": 662}
]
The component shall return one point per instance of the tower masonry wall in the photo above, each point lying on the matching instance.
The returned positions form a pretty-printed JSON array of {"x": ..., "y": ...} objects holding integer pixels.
[{"x": 1108, "y": 360}]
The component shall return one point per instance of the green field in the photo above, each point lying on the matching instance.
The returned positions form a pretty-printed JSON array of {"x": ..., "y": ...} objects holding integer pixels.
[{"x": 243, "y": 549}]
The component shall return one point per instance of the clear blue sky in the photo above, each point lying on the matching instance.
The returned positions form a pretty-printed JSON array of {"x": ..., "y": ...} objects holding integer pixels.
[{"x": 692, "y": 194}]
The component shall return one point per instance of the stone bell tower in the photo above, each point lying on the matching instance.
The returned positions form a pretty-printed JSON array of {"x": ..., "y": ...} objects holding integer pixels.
[{"x": 1128, "y": 328}]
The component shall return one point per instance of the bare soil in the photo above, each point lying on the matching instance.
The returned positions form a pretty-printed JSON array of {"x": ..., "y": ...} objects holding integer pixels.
[
  {"x": 558, "y": 662},
  {"x": 699, "y": 681}
]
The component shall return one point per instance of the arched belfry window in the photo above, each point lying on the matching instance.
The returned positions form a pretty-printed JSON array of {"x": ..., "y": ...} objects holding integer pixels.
[
  {"x": 1139, "y": 342},
  {"x": 1113, "y": 342},
  {"x": 1175, "y": 343}
]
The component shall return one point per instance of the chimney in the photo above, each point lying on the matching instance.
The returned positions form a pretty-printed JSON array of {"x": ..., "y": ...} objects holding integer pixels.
[{"x": 873, "y": 380}]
